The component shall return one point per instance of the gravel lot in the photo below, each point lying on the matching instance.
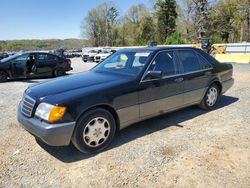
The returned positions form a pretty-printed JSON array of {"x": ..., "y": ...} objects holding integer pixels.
[{"x": 188, "y": 148}]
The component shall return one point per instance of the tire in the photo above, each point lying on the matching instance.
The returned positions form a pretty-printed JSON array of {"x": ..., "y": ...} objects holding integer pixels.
[
  {"x": 211, "y": 97},
  {"x": 94, "y": 131},
  {"x": 59, "y": 72},
  {"x": 3, "y": 76}
]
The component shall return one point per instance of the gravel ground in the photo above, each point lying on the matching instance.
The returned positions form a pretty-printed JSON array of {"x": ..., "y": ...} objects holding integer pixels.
[{"x": 188, "y": 148}]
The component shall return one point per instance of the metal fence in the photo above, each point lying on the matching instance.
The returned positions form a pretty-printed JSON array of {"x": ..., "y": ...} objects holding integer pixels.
[{"x": 243, "y": 47}]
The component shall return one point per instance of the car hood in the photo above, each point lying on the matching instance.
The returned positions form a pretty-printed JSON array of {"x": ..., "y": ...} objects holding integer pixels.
[{"x": 86, "y": 81}]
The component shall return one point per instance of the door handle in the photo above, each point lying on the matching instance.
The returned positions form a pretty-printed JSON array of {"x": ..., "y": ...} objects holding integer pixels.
[{"x": 179, "y": 80}]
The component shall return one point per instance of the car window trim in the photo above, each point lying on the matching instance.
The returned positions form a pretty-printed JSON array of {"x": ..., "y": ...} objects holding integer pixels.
[
  {"x": 176, "y": 65},
  {"x": 176, "y": 75}
]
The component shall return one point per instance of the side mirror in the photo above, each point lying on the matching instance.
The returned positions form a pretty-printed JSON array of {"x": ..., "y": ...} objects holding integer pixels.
[{"x": 154, "y": 74}]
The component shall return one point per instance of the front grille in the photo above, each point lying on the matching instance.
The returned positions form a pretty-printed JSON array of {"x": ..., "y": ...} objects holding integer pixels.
[
  {"x": 85, "y": 56},
  {"x": 98, "y": 57},
  {"x": 27, "y": 105}
]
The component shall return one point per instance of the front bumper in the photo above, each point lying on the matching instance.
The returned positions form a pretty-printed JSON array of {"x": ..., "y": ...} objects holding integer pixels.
[
  {"x": 51, "y": 134},
  {"x": 88, "y": 58},
  {"x": 226, "y": 85}
]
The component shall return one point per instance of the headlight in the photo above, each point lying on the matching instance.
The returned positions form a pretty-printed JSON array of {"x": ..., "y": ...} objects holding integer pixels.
[{"x": 50, "y": 112}]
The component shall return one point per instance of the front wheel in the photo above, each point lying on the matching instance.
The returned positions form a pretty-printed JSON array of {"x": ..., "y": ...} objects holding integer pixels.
[
  {"x": 3, "y": 76},
  {"x": 210, "y": 98},
  {"x": 94, "y": 131}
]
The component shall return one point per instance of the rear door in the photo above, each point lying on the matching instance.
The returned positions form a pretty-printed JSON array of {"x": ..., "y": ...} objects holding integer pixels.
[
  {"x": 197, "y": 73},
  {"x": 158, "y": 96},
  {"x": 45, "y": 63}
]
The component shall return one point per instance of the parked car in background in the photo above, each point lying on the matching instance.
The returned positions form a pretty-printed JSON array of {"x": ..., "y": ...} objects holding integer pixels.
[
  {"x": 131, "y": 85},
  {"x": 73, "y": 53},
  {"x": 89, "y": 55},
  {"x": 101, "y": 56},
  {"x": 3, "y": 55},
  {"x": 32, "y": 65}
]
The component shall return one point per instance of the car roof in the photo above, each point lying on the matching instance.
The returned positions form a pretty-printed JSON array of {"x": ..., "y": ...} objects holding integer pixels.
[
  {"x": 153, "y": 49},
  {"x": 30, "y": 52}
]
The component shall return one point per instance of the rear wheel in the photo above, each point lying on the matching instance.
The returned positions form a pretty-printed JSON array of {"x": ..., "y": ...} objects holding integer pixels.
[
  {"x": 59, "y": 72},
  {"x": 3, "y": 76},
  {"x": 210, "y": 98},
  {"x": 94, "y": 131}
]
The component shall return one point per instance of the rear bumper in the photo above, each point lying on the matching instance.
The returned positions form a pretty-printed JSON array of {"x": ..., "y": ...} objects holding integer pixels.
[
  {"x": 226, "y": 85},
  {"x": 51, "y": 134}
]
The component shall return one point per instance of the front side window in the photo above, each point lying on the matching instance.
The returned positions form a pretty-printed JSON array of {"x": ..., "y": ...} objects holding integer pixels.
[
  {"x": 189, "y": 61},
  {"x": 128, "y": 63},
  {"x": 164, "y": 62},
  {"x": 21, "y": 58}
]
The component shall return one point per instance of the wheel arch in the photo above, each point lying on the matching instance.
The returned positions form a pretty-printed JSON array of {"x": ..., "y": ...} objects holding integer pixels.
[
  {"x": 106, "y": 107},
  {"x": 218, "y": 83}
]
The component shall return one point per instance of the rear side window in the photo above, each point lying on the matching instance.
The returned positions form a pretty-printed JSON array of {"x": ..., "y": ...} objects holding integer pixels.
[
  {"x": 164, "y": 62},
  {"x": 204, "y": 63},
  {"x": 46, "y": 57},
  {"x": 189, "y": 60}
]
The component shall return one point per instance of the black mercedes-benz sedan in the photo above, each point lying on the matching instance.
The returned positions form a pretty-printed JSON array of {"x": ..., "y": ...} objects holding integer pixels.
[
  {"x": 131, "y": 85},
  {"x": 33, "y": 65}
]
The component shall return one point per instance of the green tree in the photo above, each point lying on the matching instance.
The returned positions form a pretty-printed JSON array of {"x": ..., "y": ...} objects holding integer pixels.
[
  {"x": 133, "y": 23},
  {"x": 98, "y": 23},
  {"x": 166, "y": 14},
  {"x": 175, "y": 38},
  {"x": 147, "y": 30}
]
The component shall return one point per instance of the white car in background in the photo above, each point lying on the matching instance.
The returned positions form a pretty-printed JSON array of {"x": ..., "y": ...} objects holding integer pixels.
[
  {"x": 89, "y": 55},
  {"x": 101, "y": 56}
]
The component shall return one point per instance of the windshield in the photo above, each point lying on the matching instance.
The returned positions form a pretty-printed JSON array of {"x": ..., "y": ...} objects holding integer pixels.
[
  {"x": 104, "y": 52},
  {"x": 127, "y": 63},
  {"x": 92, "y": 51},
  {"x": 10, "y": 58}
]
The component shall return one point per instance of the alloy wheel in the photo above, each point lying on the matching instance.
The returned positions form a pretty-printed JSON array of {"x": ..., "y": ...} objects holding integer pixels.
[
  {"x": 96, "y": 132},
  {"x": 212, "y": 96}
]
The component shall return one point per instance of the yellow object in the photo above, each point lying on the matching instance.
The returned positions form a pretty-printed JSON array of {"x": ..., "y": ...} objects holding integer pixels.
[
  {"x": 233, "y": 58},
  {"x": 214, "y": 49},
  {"x": 57, "y": 112},
  {"x": 220, "y": 49}
]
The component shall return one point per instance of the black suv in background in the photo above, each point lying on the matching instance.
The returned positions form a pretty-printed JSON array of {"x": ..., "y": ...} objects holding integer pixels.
[
  {"x": 33, "y": 65},
  {"x": 131, "y": 85}
]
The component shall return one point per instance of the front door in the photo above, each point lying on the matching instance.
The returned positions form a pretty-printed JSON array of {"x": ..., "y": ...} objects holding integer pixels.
[
  {"x": 158, "y": 96},
  {"x": 19, "y": 66}
]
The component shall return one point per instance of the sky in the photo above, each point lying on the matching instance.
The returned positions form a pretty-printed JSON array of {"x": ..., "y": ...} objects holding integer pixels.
[{"x": 47, "y": 19}]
